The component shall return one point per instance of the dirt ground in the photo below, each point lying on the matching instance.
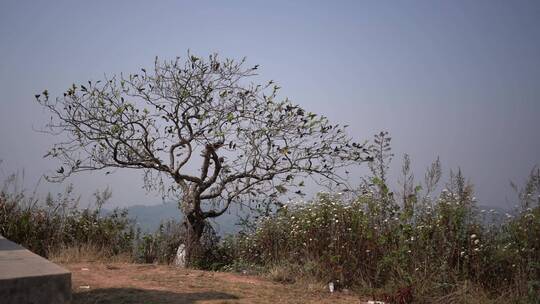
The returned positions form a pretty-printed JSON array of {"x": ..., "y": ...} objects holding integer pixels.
[{"x": 132, "y": 283}]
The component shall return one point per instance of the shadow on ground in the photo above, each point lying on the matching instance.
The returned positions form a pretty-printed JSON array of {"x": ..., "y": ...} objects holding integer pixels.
[{"x": 146, "y": 296}]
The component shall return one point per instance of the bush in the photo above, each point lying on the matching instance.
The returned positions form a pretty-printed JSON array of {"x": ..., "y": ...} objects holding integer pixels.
[
  {"x": 160, "y": 246},
  {"x": 58, "y": 227},
  {"x": 44, "y": 227},
  {"x": 441, "y": 249}
]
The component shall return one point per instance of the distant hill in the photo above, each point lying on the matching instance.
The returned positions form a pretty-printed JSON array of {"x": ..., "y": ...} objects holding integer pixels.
[{"x": 148, "y": 218}]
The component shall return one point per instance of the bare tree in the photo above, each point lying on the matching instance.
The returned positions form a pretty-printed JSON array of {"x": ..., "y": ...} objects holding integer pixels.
[
  {"x": 197, "y": 113},
  {"x": 382, "y": 155},
  {"x": 408, "y": 193}
]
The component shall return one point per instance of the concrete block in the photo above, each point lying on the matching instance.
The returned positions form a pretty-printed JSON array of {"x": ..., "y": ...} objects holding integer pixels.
[{"x": 27, "y": 278}]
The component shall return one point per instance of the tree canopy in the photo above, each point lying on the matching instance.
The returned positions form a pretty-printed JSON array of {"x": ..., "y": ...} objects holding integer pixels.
[{"x": 197, "y": 113}]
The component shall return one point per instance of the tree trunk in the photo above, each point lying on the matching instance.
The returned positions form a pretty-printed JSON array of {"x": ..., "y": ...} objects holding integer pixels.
[{"x": 195, "y": 224}]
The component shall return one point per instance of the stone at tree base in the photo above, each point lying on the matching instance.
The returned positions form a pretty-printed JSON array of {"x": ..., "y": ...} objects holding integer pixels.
[
  {"x": 180, "y": 258},
  {"x": 27, "y": 278}
]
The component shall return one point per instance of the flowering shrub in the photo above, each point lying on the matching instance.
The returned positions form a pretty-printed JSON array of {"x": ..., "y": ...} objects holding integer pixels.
[{"x": 434, "y": 246}]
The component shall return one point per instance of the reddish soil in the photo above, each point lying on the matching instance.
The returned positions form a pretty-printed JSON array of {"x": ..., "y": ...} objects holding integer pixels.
[{"x": 132, "y": 283}]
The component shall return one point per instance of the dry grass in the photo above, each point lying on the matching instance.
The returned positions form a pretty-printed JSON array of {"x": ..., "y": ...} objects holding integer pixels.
[
  {"x": 282, "y": 274},
  {"x": 86, "y": 253},
  {"x": 468, "y": 293}
]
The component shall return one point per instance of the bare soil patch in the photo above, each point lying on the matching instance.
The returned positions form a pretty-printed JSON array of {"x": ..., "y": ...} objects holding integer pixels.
[{"x": 134, "y": 283}]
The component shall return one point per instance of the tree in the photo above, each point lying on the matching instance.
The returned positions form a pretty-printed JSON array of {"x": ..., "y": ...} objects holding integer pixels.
[{"x": 197, "y": 113}]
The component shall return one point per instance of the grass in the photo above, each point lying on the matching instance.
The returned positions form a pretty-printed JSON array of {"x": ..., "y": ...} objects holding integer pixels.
[{"x": 86, "y": 253}]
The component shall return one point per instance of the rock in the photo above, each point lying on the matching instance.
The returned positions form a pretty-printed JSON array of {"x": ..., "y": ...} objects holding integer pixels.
[
  {"x": 180, "y": 259},
  {"x": 331, "y": 286}
]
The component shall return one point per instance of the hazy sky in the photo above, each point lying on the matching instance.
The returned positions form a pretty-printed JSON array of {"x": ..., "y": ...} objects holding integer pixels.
[{"x": 458, "y": 79}]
